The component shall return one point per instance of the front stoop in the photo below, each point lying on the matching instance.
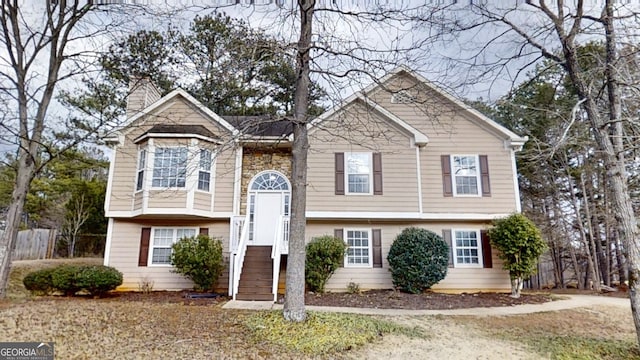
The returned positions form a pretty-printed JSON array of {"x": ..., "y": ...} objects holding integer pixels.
[{"x": 256, "y": 280}]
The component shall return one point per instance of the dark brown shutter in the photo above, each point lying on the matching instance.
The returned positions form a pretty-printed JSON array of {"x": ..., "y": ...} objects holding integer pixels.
[
  {"x": 204, "y": 231},
  {"x": 145, "y": 237},
  {"x": 377, "y": 248},
  {"x": 339, "y": 233},
  {"x": 447, "y": 187},
  {"x": 377, "y": 174},
  {"x": 446, "y": 235},
  {"x": 487, "y": 261},
  {"x": 484, "y": 175},
  {"x": 339, "y": 173}
]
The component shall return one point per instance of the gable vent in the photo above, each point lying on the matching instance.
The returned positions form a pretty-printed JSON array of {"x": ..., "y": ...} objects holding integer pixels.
[{"x": 402, "y": 97}]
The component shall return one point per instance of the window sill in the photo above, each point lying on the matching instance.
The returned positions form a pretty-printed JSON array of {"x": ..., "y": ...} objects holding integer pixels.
[
  {"x": 467, "y": 266},
  {"x": 160, "y": 265},
  {"x": 354, "y": 266},
  {"x": 167, "y": 189}
]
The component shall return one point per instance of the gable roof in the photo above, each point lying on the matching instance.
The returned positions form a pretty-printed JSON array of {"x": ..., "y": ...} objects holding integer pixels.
[
  {"x": 164, "y": 130},
  {"x": 260, "y": 125},
  {"x": 514, "y": 140},
  {"x": 419, "y": 138},
  {"x": 167, "y": 98},
  {"x": 265, "y": 126}
]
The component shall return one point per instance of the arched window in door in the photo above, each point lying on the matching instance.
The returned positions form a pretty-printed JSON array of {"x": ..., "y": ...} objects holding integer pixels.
[
  {"x": 264, "y": 183},
  {"x": 270, "y": 180}
]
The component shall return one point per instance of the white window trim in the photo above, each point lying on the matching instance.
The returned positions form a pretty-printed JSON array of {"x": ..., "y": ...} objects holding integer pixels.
[
  {"x": 144, "y": 169},
  {"x": 480, "y": 263},
  {"x": 152, "y": 236},
  {"x": 453, "y": 176},
  {"x": 346, "y": 256},
  {"x": 152, "y": 159},
  {"x": 346, "y": 173},
  {"x": 210, "y": 171}
]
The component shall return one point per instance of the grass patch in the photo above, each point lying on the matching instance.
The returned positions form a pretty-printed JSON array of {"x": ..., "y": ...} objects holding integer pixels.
[
  {"x": 578, "y": 347},
  {"x": 590, "y": 333},
  {"x": 322, "y": 333}
]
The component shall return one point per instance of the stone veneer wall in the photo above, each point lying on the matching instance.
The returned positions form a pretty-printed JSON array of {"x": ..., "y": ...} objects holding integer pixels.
[{"x": 257, "y": 160}]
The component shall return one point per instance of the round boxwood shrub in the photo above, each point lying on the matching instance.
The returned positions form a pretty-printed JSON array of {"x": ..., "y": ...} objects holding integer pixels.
[
  {"x": 63, "y": 279},
  {"x": 324, "y": 256},
  {"x": 198, "y": 259},
  {"x": 39, "y": 282},
  {"x": 69, "y": 279},
  {"x": 98, "y": 279},
  {"x": 418, "y": 259}
]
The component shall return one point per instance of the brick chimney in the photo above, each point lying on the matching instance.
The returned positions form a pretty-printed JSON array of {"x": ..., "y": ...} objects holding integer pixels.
[{"x": 142, "y": 93}]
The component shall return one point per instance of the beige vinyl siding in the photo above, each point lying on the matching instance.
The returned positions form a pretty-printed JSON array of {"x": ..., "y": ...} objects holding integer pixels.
[
  {"x": 358, "y": 130},
  {"x": 453, "y": 131},
  {"x": 225, "y": 165},
  {"x": 138, "y": 200},
  {"x": 202, "y": 201},
  {"x": 178, "y": 111},
  {"x": 142, "y": 94},
  {"x": 457, "y": 279},
  {"x": 125, "y": 247},
  {"x": 165, "y": 199},
  {"x": 123, "y": 180}
]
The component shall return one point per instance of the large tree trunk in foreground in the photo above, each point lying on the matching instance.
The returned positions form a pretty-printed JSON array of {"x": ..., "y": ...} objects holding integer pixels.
[
  {"x": 14, "y": 217},
  {"x": 294, "y": 309}
]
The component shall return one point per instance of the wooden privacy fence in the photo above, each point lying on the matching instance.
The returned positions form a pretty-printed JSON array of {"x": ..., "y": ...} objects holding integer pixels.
[{"x": 35, "y": 244}]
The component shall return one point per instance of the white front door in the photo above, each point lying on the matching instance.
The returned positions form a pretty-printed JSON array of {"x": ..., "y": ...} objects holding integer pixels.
[{"x": 268, "y": 208}]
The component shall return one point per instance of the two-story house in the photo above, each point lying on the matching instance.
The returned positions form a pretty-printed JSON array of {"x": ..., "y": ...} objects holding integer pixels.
[{"x": 400, "y": 153}]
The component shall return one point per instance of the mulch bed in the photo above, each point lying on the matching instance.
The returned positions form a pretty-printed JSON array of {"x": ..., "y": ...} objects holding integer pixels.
[
  {"x": 381, "y": 299},
  {"x": 389, "y": 299}
]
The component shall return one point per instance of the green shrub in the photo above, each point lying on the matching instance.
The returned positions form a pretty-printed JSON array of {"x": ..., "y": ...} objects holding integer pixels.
[
  {"x": 520, "y": 245},
  {"x": 69, "y": 279},
  {"x": 39, "y": 282},
  {"x": 418, "y": 259},
  {"x": 324, "y": 256},
  {"x": 98, "y": 279},
  {"x": 198, "y": 259},
  {"x": 63, "y": 279}
]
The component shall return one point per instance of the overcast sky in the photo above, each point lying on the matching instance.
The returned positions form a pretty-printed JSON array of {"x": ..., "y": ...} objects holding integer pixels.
[{"x": 450, "y": 62}]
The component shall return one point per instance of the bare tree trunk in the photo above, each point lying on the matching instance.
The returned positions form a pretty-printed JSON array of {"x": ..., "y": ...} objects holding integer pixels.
[
  {"x": 615, "y": 162},
  {"x": 622, "y": 269},
  {"x": 294, "y": 309},
  {"x": 583, "y": 235},
  {"x": 52, "y": 39},
  {"x": 14, "y": 216},
  {"x": 591, "y": 234}
]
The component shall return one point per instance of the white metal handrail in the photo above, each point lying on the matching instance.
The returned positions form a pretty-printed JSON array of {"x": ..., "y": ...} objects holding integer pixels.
[
  {"x": 281, "y": 243},
  {"x": 236, "y": 233},
  {"x": 241, "y": 250},
  {"x": 275, "y": 256},
  {"x": 285, "y": 234}
]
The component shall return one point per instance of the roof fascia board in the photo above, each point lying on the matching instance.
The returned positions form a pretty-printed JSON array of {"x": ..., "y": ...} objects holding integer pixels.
[
  {"x": 420, "y": 139},
  {"x": 170, "y": 96},
  {"x": 514, "y": 138}
]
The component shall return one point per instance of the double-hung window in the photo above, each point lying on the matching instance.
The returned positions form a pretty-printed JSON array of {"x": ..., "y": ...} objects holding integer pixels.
[
  {"x": 467, "y": 248},
  {"x": 204, "y": 172},
  {"x": 142, "y": 162},
  {"x": 465, "y": 174},
  {"x": 170, "y": 167},
  {"x": 359, "y": 173},
  {"x": 162, "y": 240},
  {"x": 359, "y": 248}
]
